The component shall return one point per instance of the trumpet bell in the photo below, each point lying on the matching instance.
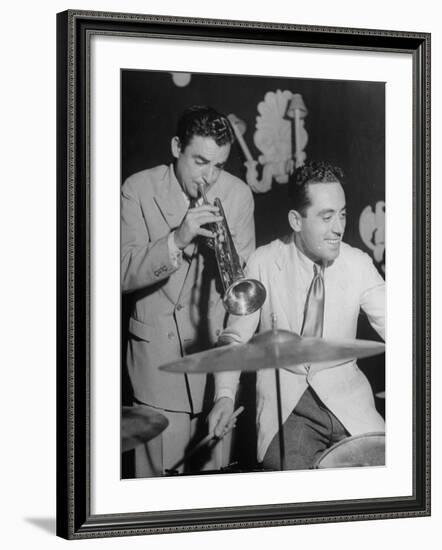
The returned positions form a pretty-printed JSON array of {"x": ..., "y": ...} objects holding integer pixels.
[{"x": 244, "y": 296}]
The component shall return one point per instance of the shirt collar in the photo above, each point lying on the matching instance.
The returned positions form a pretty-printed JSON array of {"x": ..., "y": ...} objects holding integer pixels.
[{"x": 305, "y": 263}]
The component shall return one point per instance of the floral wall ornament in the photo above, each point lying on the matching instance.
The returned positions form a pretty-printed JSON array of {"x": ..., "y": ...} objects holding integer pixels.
[
  {"x": 273, "y": 136},
  {"x": 280, "y": 136},
  {"x": 372, "y": 231}
]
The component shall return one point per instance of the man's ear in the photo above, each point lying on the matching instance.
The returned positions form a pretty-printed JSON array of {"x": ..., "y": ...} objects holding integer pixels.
[
  {"x": 175, "y": 146},
  {"x": 295, "y": 220}
]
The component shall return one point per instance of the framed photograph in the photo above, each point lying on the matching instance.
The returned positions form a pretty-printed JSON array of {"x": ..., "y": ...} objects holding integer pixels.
[{"x": 243, "y": 276}]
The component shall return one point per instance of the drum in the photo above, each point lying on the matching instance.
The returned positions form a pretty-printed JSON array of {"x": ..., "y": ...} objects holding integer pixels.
[{"x": 359, "y": 450}]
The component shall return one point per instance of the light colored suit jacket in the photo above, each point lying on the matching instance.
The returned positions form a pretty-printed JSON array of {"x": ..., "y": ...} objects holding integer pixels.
[
  {"x": 351, "y": 283},
  {"x": 176, "y": 309}
]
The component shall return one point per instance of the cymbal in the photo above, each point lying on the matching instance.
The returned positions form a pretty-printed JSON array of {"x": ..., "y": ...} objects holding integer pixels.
[
  {"x": 274, "y": 350},
  {"x": 139, "y": 425}
]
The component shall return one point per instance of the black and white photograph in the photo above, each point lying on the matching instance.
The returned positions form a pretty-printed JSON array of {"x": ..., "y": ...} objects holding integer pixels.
[
  {"x": 253, "y": 254},
  {"x": 221, "y": 266},
  {"x": 243, "y": 272}
]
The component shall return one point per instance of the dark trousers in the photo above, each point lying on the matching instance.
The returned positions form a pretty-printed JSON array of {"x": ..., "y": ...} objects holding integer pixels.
[{"x": 309, "y": 430}]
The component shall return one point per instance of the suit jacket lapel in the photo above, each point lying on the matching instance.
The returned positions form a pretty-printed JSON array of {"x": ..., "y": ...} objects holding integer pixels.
[
  {"x": 172, "y": 205},
  {"x": 285, "y": 274},
  {"x": 170, "y": 200}
]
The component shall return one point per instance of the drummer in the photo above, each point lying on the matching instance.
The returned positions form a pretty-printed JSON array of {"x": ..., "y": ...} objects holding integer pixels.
[{"x": 316, "y": 286}]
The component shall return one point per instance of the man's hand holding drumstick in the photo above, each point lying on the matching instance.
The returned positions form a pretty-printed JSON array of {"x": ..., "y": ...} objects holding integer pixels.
[
  {"x": 222, "y": 419},
  {"x": 212, "y": 437}
]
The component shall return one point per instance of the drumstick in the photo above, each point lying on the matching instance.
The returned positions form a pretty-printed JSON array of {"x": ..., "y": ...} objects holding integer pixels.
[{"x": 209, "y": 437}]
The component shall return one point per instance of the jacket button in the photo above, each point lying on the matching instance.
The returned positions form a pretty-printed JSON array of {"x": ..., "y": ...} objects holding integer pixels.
[
  {"x": 170, "y": 335},
  {"x": 179, "y": 307}
]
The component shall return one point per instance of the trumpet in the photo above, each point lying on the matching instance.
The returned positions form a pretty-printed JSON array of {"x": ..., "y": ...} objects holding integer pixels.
[{"x": 241, "y": 296}]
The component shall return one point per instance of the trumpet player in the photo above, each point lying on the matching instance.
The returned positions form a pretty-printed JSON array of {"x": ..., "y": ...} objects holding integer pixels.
[{"x": 173, "y": 277}]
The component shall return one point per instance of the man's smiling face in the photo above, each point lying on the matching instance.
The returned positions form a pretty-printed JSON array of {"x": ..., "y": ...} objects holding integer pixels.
[{"x": 319, "y": 231}]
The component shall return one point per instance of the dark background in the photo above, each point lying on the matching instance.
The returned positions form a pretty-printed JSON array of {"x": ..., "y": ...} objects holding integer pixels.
[{"x": 345, "y": 126}]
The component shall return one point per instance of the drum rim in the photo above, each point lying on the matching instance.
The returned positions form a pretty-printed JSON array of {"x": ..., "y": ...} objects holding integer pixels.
[{"x": 345, "y": 440}]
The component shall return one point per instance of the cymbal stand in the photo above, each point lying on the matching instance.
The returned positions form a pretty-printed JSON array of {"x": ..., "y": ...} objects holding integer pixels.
[{"x": 279, "y": 406}]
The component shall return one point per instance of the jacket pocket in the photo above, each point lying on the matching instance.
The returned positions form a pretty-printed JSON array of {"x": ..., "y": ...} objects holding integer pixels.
[{"x": 142, "y": 331}]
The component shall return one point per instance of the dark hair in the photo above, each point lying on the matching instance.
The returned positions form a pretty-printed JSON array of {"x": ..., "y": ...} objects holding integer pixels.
[
  {"x": 205, "y": 122},
  {"x": 311, "y": 172}
]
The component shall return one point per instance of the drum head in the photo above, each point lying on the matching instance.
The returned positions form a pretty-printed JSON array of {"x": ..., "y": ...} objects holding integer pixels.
[{"x": 359, "y": 450}]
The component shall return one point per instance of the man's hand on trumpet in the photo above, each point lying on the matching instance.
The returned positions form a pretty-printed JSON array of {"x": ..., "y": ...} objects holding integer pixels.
[{"x": 191, "y": 226}]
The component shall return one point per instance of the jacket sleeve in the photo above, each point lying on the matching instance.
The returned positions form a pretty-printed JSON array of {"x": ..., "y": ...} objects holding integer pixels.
[
  {"x": 373, "y": 295},
  {"x": 143, "y": 262},
  {"x": 243, "y": 226}
]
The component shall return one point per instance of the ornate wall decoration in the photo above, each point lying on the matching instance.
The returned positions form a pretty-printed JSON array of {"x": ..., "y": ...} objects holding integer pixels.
[
  {"x": 372, "y": 231},
  {"x": 280, "y": 136},
  {"x": 297, "y": 111}
]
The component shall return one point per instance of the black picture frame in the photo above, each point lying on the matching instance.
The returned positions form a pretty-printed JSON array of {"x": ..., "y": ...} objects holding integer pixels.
[{"x": 74, "y": 31}]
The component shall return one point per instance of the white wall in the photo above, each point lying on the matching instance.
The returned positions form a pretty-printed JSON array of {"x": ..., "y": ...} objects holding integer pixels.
[{"x": 28, "y": 272}]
